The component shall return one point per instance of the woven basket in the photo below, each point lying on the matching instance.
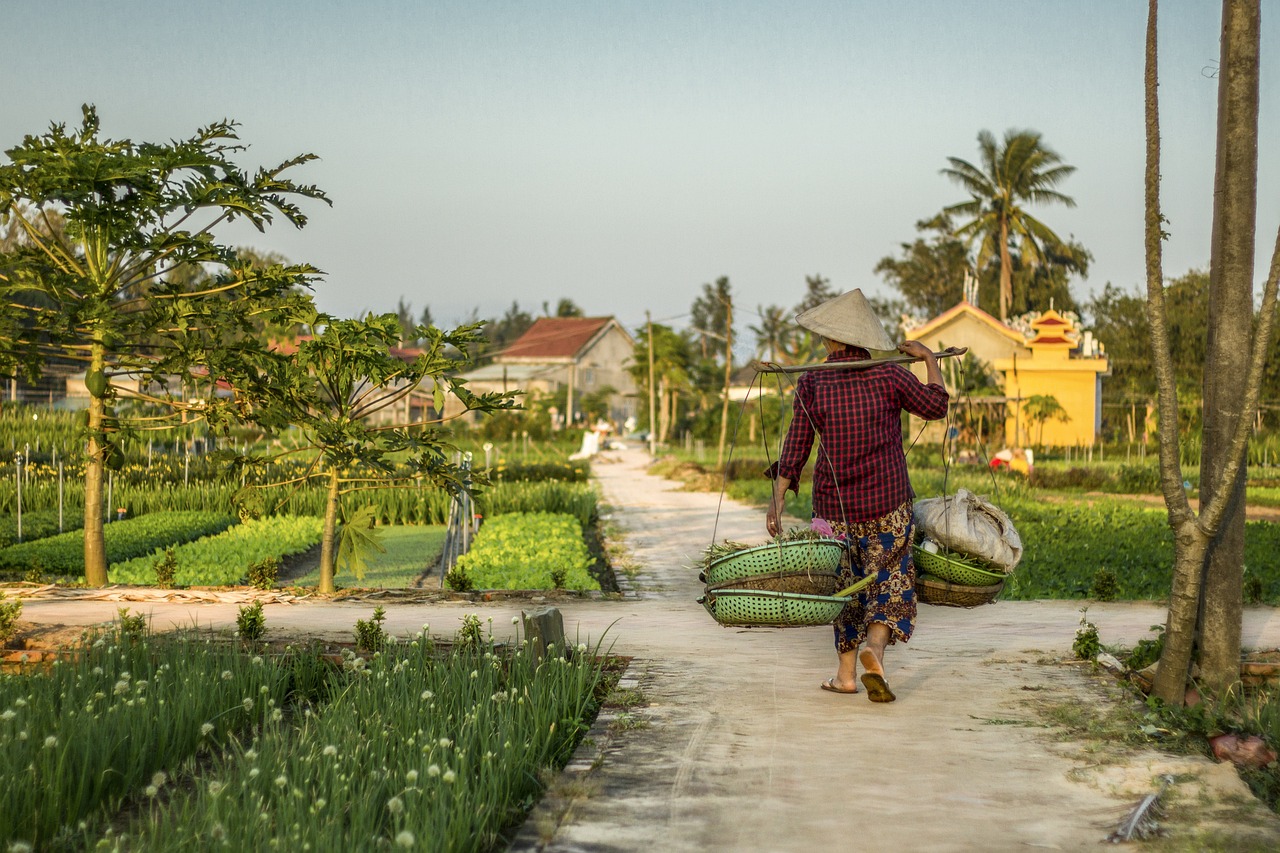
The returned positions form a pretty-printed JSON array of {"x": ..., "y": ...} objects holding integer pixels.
[
  {"x": 821, "y": 556},
  {"x": 806, "y": 583},
  {"x": 932, "y": 590},
  {"x": 745, "y": 608},
  {"x": 953, "y": 570}
]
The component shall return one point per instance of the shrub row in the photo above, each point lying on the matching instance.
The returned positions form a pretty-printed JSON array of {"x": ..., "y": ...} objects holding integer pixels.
[
  {"x": 533, "y": 550},
  {"x": 134, "y": 537},
  {"x": 225, "y": 558}
]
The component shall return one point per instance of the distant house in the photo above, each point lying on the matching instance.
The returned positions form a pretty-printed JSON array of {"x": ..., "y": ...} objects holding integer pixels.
[
  {"x": 1051, "y": 357},
  {"x": 582, "y": 355}
]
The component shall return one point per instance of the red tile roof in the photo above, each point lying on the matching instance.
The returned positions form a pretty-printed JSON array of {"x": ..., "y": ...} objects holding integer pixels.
[{"x": 554, "y": 338}]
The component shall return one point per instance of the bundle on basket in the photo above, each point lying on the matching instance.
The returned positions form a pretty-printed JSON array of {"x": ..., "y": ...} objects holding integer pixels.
[
  {"x": 967, "y": 550},
  {"x": 789, "y": 582}
]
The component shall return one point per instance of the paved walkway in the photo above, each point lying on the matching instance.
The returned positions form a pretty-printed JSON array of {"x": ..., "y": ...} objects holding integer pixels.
[{"x": 738, "y": 750}]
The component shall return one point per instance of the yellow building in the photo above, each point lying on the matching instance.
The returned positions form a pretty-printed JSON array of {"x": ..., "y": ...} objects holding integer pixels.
[
  {"x": 1052, "y": 358},
  {"x": 1065, "y": 365}
]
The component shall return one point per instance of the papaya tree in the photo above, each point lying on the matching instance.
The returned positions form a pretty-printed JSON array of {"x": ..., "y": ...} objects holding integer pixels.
[
  {"x": 347, "y": 396},
  {"x": 112, "y": 287}
]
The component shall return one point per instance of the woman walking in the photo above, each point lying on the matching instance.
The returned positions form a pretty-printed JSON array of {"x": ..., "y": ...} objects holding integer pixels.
[{"x": 860, "y": 484}]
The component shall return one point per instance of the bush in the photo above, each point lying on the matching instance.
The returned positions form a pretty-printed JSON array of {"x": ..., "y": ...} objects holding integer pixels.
[
  {"x": 9, "y": 613},
  {"x": 371, "y": 636},
  {"x": 166, "y": 568},
  {"x": 1105, "y": 585},
  {"x": 250, "y": 623},
  {"x": 263, "y": 573}
]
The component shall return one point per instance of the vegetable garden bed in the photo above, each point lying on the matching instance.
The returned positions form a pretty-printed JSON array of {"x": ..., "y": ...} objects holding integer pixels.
[
  {"x": 124, "y": 540},
  {"x": 254, "y": 751}
]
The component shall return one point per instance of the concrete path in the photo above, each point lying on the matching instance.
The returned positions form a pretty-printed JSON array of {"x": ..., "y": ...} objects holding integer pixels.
[{"x": 736, "y": 748}]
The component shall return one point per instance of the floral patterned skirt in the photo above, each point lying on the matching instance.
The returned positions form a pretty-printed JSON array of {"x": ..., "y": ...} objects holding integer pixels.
[{"x": 881, "y": 546}]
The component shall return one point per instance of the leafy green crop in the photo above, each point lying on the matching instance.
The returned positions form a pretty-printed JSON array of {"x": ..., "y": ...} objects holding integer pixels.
[
  {"x": 225, "y": 558},
  {"x": 530, "y": 550},
  {"x": 134, "y": 537}
]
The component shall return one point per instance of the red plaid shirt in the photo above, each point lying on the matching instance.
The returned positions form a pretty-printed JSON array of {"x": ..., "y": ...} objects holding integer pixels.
[{"x": 861, "y": 470}]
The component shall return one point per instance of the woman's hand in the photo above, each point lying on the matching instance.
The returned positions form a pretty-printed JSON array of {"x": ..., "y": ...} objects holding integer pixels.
[
  {"x": 773, "y": 519},
  {"x": 915, "y": 349}
]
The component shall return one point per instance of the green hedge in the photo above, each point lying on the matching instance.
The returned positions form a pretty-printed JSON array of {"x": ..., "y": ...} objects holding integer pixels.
[{"x": 64, "y": 554}]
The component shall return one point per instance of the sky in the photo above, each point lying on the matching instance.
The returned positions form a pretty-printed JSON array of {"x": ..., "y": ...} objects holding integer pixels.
[{"x": 623, "y": 154}]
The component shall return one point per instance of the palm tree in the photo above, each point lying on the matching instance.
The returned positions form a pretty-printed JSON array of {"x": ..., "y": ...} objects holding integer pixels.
[
  {"x": 774, "y": 334},
  {"x": 1022, "y": 169}
]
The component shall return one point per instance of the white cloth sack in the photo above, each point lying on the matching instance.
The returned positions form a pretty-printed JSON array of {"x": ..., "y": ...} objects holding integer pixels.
[{"x": 971, "y": 525}]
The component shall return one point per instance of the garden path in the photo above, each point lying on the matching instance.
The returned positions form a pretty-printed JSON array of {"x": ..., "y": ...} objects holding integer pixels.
[{"x": 737, "y": 749}]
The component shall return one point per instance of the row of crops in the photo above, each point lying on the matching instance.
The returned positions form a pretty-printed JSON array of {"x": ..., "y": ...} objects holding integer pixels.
[
  {"x": 185, "y": 742},
  {"x": 160, "y": 504},
  {"x": 527, "y": 550}
]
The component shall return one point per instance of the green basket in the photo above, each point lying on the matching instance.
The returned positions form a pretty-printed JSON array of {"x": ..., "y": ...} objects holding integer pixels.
[
  {"x": 821, "y": 556},
  {"x": 748, "y": 608},
  {"x": 953, "y": 570}
]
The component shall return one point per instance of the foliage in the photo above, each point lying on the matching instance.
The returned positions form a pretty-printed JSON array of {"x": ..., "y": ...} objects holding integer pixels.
[
  {"x": 1105, "y": 586},
  {"x": 1042, "y": 408},
  {"x": 931, "y": 271},
  {"x": 411, "y": 552},
  {"x": 37, "y": 525},
  {"x": 458, "y": 580},
  {"x": 1146, "y": 651},
  {"x": 135, "y": 285},
  {"x": 1086, "y": 644},
  {"x": 578, "y": 471},
  {"x": 1019, "y": 170},
  {"x": 370, "y": 635},
  {"x": 132, "y": 538},
  {"x": 360, "y": 539},
  {"x": 10, "y": 610},
  {"x": 341, "y": 377},
  {"x": 81, "y": 738},
  {"x": 225, "y": 558},
  {"x": 263, "y": 573},
  {"x": 522, "y": 550},
  {"x": 130, "y": 627},
  {"x": 251, "y": 625},
  {"x": 166, "y": 569}
]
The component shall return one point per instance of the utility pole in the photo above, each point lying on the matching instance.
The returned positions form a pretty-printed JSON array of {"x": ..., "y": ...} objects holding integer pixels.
[
  {"x": 728, "y": 375},
  {"x": 653, "y": 438}
]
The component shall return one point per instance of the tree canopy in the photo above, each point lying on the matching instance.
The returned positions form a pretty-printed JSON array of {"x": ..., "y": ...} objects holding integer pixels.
[
  {"x": 135, "y": 285},
  {"x": 1019, "y": 171}
]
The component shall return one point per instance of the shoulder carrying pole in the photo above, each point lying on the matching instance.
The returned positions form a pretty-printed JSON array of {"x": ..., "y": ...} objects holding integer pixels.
[{"x": 863, "y": 364}]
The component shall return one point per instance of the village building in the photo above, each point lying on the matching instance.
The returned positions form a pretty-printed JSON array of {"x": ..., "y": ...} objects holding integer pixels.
[
  {"x": 1050, "y": 356},
  {"x": 582, "y": 355}
]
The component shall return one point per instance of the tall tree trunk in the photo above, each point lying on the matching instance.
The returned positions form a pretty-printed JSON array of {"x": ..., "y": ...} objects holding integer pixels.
[
  {"x": 1006, "y": 271},
  {"x": 329, "y": 539},
  {"x": 95, "y": 547},
  {"x": 1192, "y": 535},
  {"x": 728, "y": 379},
  {"x": 1184, "y": 602},
  {"x": 1230, "y": 334}
]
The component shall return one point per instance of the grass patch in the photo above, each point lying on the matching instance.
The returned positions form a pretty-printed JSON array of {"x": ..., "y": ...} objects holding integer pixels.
[{"x": 411, "y": 550}]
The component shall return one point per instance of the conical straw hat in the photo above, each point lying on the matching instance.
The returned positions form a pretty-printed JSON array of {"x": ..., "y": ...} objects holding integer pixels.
[{"x": 848, "y": 319}]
